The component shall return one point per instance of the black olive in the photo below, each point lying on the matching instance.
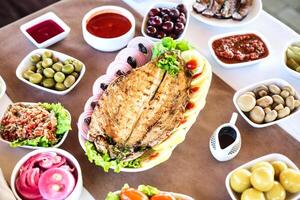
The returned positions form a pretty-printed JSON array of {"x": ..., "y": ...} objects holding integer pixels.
[
  {"x": 120, "y": 73},
  {"x": 103, "y": 86},
  {"x": 131, "y": 61},
  {"x": 87, "y": 120},
  {"x": 93, "y": 104},
  {"x": 142, "y": 48}
]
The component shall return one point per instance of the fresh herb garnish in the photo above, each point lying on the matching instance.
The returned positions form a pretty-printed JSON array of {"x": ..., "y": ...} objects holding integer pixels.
[{"x": 169, "y": 63}]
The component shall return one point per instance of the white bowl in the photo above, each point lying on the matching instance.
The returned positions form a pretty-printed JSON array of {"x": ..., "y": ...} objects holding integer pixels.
[
  {"x": 289, "y": 70},
  {"x": 2, "y": 87},
  {"x": 269, "y": 157},
  {"x": 33, "y": 147},
  {"x": 75, "y": 195},
  {"x": 242, "y": 64},
  {"x": 276, "y": 81},
  {"x": 108, "y": 44},
  {"x": 26, "y": 62},
  {"x": 49, "y": 42},
  {"x": 227, "y": 23},
  {"x": 165, "y": 5},
  {"x": 176, "y": 195}
]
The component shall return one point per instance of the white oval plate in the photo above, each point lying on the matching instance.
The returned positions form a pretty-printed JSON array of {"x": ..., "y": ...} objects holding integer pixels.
[
  {"x": 61, "y": 56},
  {"x": 276, "y": 81},
  {"x": 226, "y": 23},
  {"x": 33, "y": 147},
  {"x": 269, "y": 157}
]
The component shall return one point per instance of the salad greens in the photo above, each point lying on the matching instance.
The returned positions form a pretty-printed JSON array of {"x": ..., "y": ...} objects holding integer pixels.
[
  {"x": 63, "y": 125},
  {"x": 104, "y": 160},
  {"x": 169, "y": 49},
  {"x": 112, "y": 196}
]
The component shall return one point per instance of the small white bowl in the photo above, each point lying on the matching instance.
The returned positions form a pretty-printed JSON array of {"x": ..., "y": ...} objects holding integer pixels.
[
  {"x": 49, "y": 42},
  {"x": 75, "y": 195},
  {"x": 249, "y": 88},
  {"x": 32, "y": 147},
  {"x": 227, "y": 23},
  {"x": 241, "y": 64},
  {"x": 165, "y": 5},
  {"x": 108, "y": 44},
  {"x": 289, "y": 70},
  {"x": 269, "y": 157},
  {"x": 2, "y": 87},
  {"x": 61, "y": 56}
]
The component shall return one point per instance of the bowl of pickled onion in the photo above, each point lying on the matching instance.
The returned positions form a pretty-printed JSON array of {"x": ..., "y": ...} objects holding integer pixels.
[{"x": 47, "y": 174}]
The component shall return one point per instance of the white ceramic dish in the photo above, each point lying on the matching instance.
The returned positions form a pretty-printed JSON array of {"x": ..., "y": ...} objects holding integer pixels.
[
  {"x": 2, "y": 87},
  {"x": 289, "y": 70},
  {"x": 270, "y": 157},
  {"x": 32, "y": 147},
  {"x": 75, "y": 195},
  {"x": 226, "y": 23},
  {"x": 242, "y": 64},
  {"x": 61, "y": 56},
  {"x": 176, "y": 195},
  {"x": 108, "y": 44},
  {"x": 276, "y": 81},
  {"x": 165, "y": 5},
  {"x": 49, "y": 42}
]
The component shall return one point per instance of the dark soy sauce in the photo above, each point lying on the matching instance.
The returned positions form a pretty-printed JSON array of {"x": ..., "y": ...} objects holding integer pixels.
[{"x": 227, "y": 136}]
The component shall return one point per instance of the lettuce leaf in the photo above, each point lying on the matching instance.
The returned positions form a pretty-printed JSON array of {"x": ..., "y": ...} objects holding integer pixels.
[
  {"x": 62, "y": 116},
  {"x": 148, "y": 190},
  {"x": 106, "y": 162},
  {"x": 112, "y": 196},
  {"x": 41, "y": 141}
]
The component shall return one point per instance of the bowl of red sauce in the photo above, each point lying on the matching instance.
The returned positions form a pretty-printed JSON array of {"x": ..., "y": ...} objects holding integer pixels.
[
  {"x": 45, "y": 30},
  {"x": 239, "y": 49},
  {"x": 108, "y": 28}
]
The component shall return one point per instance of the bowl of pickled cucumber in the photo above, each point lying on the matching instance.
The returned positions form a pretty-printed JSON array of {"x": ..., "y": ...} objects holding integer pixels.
[
  {"x": 292, "y": 58},
  {"x": 271, "y": 177},
  {"x": 50, "y": 71}
]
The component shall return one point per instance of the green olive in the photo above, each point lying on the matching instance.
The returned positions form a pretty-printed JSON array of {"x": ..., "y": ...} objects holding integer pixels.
[
  {"x": 39, "y": 65},
  {"x": 47, "y": 62},
  {"x": 262, "y": 179},
  {"x": 40, "y": 71},
  {"x": 68, "y": 69},
  {"x": 35, "y": 58},
  {"x": 290, "y": 180},
  {"x": 75, "y": 74},
  {"x": 60, "y": 86},
  {"x": 278, "y": 166},
  {"x": 57, "y": 66},
  {"x": 68, "y": 61},
  {"x": 49, "y": 72},
  {"x": 240, "y": 180},
  {"x": 69, "y": 81},
  {"x": 27, "y": 74},
  {"x": 32, "y": 68},
  {"x": 35, "y": 78},
  {"x": 59, "y": 77},
  {"x": 276, "y": 193},
  {"x": 251, "y": 194},
  {"x": 48, "y": 83},
  {"x": 263, "y": 164},
  {"x": 47, "y": 54},
  {"x": 78, "y": 65},
  {"x": 55, "y": 59}
]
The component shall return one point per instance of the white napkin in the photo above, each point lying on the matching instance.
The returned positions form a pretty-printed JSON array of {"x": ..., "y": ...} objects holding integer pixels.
[{"x": 5, "y": 193}]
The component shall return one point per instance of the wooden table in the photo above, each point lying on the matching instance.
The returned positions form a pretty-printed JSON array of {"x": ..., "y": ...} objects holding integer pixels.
[{"x": 191, "y": 169}]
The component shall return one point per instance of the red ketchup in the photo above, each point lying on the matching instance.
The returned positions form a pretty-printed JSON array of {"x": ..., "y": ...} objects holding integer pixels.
[
  {"x": 190, "y": 105},
  {"x": 44, "y": 31},
  {"x": 191, "y": 65},
  {"x": 108, "y": 25}
]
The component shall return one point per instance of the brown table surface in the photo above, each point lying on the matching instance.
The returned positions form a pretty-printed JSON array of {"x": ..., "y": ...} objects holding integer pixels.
[{"x": 191, "y": 169}]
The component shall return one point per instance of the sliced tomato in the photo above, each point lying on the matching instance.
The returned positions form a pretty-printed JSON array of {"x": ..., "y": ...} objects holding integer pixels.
[
  {"x": 132, "y": 194},
  {"x": 163, "y": 196}
]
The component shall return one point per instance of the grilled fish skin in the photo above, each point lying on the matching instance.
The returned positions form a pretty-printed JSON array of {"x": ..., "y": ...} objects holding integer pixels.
[
  {"x": 242, "y": 10},
  {"x": 229, "y": 8},
  {"x": 201, "y": 5}
]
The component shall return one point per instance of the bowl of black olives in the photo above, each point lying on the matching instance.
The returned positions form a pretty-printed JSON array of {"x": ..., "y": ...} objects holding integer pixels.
[
  {"x": 166, "y": 19},
  {"x": 50, "y": 71}
]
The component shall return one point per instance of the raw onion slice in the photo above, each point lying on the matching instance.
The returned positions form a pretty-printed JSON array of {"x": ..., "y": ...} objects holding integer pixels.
[
  {"x": 116, "y": 66},
  {"x": 135, "y": 53},
  {"x": 134, "y": 43},
  {"x": 105, "y": 79},
  {"x": 56, "y": 183}
]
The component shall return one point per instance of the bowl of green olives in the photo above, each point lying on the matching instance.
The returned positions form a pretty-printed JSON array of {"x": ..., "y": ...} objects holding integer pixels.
[
  {"x": 273, "y": 176},
  {"x": 50, "y": 71}
]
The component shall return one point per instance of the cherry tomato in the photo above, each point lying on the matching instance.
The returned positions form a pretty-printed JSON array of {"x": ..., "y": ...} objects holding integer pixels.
[
  {"x": 191, "y": 65},
  {"x": 132, "y": 194},
  {"x": 163, "y": 196}
]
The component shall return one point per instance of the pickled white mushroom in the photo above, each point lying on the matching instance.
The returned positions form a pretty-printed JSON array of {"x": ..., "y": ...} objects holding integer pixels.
[
  {"x": 264, "y": 101},
  {"x": 274, "y": 89},
  {"x": 290, "y": 102},
  {"x": 290, "y": 90},
  {"x": 284, "y": 112},
  {"x": 284, "y": 93},
  {"x": 278, "y": 99},
  {"x": 271, "y": 116},
  {"x": 279, "y": 107},
  {"x": 246, "y": 102},
  {"x": 257, "y": 115}
]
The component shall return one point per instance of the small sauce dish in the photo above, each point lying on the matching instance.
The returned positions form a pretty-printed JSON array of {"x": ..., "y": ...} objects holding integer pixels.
[
  {"x": 225, "y": 143},
  {"x": 45, "y": 30},
  {"x": 108, "y": 28}
]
